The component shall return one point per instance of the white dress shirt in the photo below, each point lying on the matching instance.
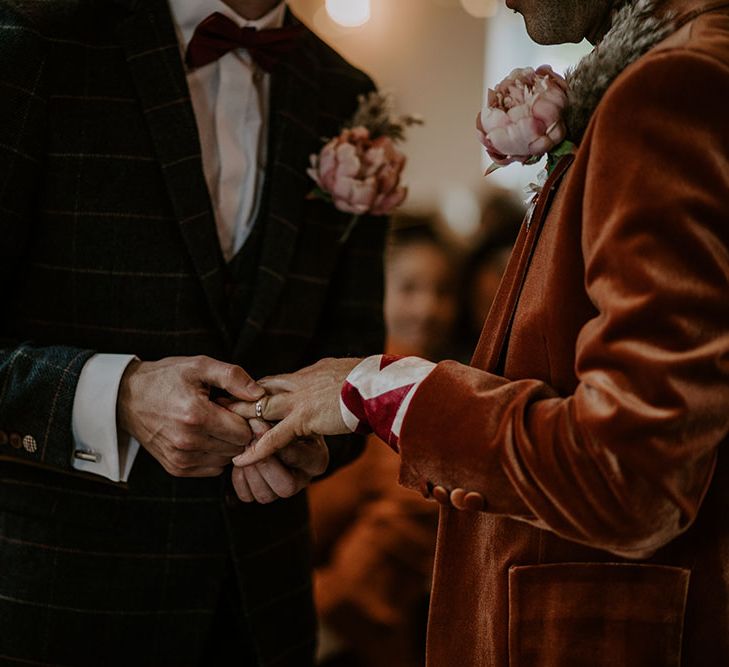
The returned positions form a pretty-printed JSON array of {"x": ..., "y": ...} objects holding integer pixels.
[{"x": 230, "y": 98}]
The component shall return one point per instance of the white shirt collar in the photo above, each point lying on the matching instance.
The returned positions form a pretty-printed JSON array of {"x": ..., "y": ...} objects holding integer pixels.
[{"x": 188, "y": 14}]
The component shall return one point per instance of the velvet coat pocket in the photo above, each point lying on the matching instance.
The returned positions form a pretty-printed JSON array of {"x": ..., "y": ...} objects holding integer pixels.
[{"x": 596, "y": 614}]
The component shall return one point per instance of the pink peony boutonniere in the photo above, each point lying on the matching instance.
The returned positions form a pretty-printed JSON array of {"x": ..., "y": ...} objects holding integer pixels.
[
  {"x": 523, "y": 119},
  {"x": 359, "y": 171}
]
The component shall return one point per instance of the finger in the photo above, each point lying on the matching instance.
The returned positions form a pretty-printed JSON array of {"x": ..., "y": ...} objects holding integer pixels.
[
  {"x": 260, "y": 489},
  {"x": 277, "y": 438},
  {"x": 277, "y": 406},
  {"x": 245, "y": 409},
  {"x": 199, "y": 415},
  {"x": 291, "y": 381},
  {"x": 230, "y": 377},
  {"x": 295, "y": 455},
  {"x": 259, "y": 427},
  {"x": 310, "y": 455},
  {"x": 240, "y": 484},
  {"x": 273, "y": 408},
  {"x": 276, "y": 384},
  {"x": 223, "y": 424},
  {"x": 284, "y": 482}
]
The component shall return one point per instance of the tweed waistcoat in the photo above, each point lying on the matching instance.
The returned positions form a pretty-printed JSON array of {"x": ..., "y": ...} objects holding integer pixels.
[{"x": 240, "y": 277}]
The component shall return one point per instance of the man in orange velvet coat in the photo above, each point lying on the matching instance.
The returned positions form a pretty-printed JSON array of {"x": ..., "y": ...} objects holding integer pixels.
[{"x": 582, "y": 461}]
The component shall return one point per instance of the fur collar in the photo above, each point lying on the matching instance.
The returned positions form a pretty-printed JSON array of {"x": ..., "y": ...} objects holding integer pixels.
[{"x": 635, "y": 29}]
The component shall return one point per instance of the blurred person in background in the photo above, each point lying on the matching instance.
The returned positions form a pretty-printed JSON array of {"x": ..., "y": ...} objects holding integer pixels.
[
  {"x": 375, "y": 540},
  {"x": 502, "y": 215},
  {"x": 421, "y": 284}
]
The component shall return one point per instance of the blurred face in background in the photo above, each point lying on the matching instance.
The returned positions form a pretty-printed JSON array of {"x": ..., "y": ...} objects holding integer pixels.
[{"x": 420, "y": 299}]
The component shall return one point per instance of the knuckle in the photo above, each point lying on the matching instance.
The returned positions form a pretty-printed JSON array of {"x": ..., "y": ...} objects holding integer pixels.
[
  {"x": 190, "y": 418},
  {"x": 181, "y": 445},
  {"x": 181, "y": 460},
  {"x": 226, "y": 372},
  {"x": 231, "y": 373},
  {"x": 192, "y": 414},
  {"x": 289, "y": 488},
  {"x": 199, "y": 362}
]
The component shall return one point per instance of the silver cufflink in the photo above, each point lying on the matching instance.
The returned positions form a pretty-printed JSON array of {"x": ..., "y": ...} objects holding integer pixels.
[{"x": 92, "y": 457}]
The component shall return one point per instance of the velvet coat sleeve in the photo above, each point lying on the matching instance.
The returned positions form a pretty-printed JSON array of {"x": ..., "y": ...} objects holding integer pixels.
[
  {"x": 37, "y": 384},
  {"x": 623, "y": 461}
]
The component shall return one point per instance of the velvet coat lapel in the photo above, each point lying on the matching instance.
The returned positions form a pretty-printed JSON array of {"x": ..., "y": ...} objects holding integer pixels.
[{"x": 489, "y": 354}]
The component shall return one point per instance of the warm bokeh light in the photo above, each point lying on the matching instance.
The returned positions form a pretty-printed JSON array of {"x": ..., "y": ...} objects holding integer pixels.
[
  {"x": 460, "y": 210},
  {"x": 349, "y": 13},
  {"x": 481, "y": 9}
]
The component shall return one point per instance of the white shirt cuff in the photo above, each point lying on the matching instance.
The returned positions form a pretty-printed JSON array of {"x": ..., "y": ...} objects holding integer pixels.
[
  {"x": 100, "y": 448},
  {"x": 377, "y": 394}
]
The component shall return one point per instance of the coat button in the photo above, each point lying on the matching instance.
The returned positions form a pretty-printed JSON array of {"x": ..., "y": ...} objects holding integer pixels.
[
  {"x": 441, "y": 495},
  {"x": 474, "y": 502},
  {"x": 3, "y": 438},
  {"x": 231, "y": 500},
  {"x": 16, "y": 442},
  {"x": 30, "y": 444},
  {"x": 457, "y": 498}
]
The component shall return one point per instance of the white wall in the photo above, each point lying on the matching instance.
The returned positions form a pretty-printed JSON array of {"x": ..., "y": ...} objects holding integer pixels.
[{"x": 431, "y": 57}]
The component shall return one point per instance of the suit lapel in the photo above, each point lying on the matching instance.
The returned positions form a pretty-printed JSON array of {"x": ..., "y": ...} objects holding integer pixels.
[
  {"x": 295, "y": 92},
  {"x": 152, "y": 52}
]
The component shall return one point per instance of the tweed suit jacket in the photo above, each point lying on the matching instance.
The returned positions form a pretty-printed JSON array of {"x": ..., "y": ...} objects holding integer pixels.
[{"x": 108, "y": 244}]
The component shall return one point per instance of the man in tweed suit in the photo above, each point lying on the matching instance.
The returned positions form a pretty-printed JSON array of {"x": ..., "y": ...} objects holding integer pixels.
[{"x": 111, "y": 246}]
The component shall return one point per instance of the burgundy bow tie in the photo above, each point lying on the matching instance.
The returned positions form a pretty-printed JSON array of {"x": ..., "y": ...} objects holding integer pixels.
[{"x": 218, "y": 34}]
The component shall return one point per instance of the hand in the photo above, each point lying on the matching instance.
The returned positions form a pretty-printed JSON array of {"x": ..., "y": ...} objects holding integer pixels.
[
  {"x": 284, "y": 474},
  {"x": 305, "y": 403},
  {"x": 166, "y": 406}
]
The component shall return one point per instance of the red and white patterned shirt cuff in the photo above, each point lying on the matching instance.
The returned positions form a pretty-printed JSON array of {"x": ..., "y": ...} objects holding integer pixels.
[{"x": 377, "y": 393}]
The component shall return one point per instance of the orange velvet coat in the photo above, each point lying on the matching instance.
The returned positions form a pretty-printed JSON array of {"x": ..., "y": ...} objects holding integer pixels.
[{"x": 603, "y": 459}]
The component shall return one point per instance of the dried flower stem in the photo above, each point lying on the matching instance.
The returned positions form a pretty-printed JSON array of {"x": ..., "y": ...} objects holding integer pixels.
[{"x": 349, "y": 229}]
